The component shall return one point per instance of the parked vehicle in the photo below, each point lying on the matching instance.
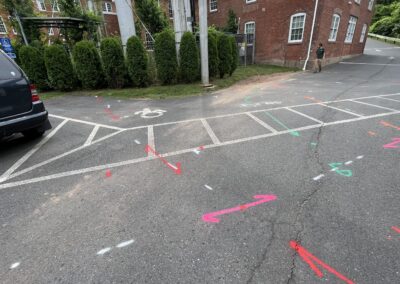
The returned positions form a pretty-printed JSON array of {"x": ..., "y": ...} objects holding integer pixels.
[{"x": 21, "y": 109}]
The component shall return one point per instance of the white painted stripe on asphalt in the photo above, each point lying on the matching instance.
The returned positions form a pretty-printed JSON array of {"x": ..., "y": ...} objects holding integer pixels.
[
  {"x": 305, "y": 115},
  {"x": 103, "y": 251},
  {"x": 137, "y": 141},
  {"x": 92, "y": 135},
  {"x": 62, "y": 155},
  {"x": 318, "y": 177},
  {"x": 150, "y": 140},
  {"x": 364, "y": 103},
  {"x": 138, "y": 160},
  {"x": 265, "y": 125},
  {"x": 25, "y": 157},
  {"x": 210, "y": 132},
  {"x": 208, "y": 187},
  {"x": 348, "y": 163},
  {"x": 342, "y": 110},
  {"x": 14, "y": 265},
  {"x": 373, "y": 64},
  {"x": 393, "y": 100},
  {"x": 85, "y": 122},
  {"x": 124, "y": 244}
]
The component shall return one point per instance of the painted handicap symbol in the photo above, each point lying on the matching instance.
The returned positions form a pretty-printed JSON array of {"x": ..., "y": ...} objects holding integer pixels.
[
  {"x": 148, "y": 113},
  {"x": 335, "y": 168}
]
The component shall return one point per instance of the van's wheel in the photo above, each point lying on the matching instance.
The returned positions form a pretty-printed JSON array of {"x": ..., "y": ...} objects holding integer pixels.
[{"x": 33, "y": 133}]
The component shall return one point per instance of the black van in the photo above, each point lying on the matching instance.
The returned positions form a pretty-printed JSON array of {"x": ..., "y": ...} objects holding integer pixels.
[{"x": 21, "y": 109}]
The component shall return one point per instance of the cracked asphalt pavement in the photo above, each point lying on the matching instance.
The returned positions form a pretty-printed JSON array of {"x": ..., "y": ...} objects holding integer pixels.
[{"x": 289, "y": 179}]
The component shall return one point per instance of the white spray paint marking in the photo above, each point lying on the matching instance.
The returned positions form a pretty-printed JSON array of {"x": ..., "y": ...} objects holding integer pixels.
[
  {"x": 208, "y": 187},
  {"x": 137, "y": 141},
  {"x": 360, "y": 157},
  {"x": 124, "y": 244},
  {"x": 172, "y": 166},
  {"x": 103, "y": 251},
  {"x": 108, "y": 106},
  {"x": 119, "y": 101},
  {"x": 319, "y": 177},
  {"x": 348, "y": 162},
  {"x": 378, "y": 50},
  {"x": 334, "y": 169},
  {"x": 196, "y": 151},
  {"x": 14, "y": 265},
  {"x": 338, "y": 82},
  {"x": 126, "y": 116}
]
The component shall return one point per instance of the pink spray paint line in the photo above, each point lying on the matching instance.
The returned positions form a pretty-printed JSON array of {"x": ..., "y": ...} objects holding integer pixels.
[
  {"x": 396, "y": 229},
  {"x": 310, "y": 259},
  {"x": 111, "y": 115},
  {"x": 210, "y": 217},
  {"x": 177, "y": 169},
  {"x": 393, "y": 145}
]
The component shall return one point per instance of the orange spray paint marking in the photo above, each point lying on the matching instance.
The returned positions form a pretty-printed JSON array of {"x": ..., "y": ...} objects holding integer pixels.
[
  {"x": 371, "y": 133},
  {"x": 396, "y": 229},
  {"x": 108, "y": 173},
  {"x": 313, "y": 99},
  {"x": 387, "y": 124},
  {"x": 311, "y": 260}
]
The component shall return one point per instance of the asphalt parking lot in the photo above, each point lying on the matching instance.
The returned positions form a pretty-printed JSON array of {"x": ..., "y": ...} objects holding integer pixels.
[{"x": 290, "y": 179}]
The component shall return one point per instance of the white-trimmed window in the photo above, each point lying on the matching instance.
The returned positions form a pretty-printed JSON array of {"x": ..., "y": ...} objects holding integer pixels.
[
  {"x": 41, "y": 5},
  {"x": 250, "y": 1},
  {"x": 363, "y": 33},
  {"x": 297, "y": 23},
  {"x": 334, "y": 27},
  {"x": 370, "y": 4},
  {"x": 357, "y": 1},
  {"x": 351, "y": 29},
  {"x": 170, "y": 9},
  {"x": 54, "y": 6},
  {"x": 3, "y": 28},
  {"x": 107, "y": 7},
  {"x": 51, "y": 32},
  {"x": 11, "y": 24},
  {"x": 213, "y": 5},
  {"x": 250, "y": 30}
]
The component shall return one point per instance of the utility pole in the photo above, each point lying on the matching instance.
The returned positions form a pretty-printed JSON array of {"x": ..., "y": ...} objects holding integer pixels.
[
  {"x": 204, "y": 42},
  {"x": 179, "y": 21},
  {"x": 126, "y": 20}
]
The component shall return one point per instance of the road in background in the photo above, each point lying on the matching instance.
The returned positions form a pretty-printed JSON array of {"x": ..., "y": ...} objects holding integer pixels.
[{"x": 279, "y": 180}]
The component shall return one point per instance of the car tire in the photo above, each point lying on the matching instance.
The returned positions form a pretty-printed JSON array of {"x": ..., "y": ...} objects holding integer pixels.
[{"x": 33, "y": 133}]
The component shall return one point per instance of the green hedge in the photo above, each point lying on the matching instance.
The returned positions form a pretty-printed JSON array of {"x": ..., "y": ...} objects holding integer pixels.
[
  {"x": 113, "y": 59},
  {"x": 32, "y": 62},
  {"x": 137, "y": 62},
  {"x": 224, "y": 54},
  {"x": 165, "y": 55},
  {"x": 235, "y": 55},
  {"x": 189, "y": 58},
  {"x": 213, "y": 59},
  {"x": 59, "y": 68},
  {"x": 88, "y": 65}
]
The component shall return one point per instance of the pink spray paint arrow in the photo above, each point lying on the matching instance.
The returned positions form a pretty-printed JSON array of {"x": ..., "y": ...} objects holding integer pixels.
[
  {"x": 310, "y": 259},
  {"x": 210, "y": 217},
  {"x": 393, "y": 145},
  {"x": 177, "y": 169}
]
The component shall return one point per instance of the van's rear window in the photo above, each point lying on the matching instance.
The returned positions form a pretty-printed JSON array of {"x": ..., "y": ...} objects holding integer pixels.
[{"x": 7, "y": 69}]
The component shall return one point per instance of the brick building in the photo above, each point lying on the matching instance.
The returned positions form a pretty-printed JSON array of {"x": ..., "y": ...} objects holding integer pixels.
[
  {"x": 50, "y": 8},
  {"x": 282, "y": 28}
]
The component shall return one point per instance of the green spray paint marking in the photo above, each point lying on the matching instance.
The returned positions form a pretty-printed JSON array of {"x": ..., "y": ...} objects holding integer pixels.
[
  {"x": 292, "y": 132},
  {"x": 335, "y": 168},
  {"x": 247, "y": 100}
]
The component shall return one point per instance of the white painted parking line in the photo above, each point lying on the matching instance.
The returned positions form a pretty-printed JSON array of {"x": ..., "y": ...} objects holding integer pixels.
[
  {"x": 305, "y": 115},
  {"x": 25, "y": 157},
  {"x": 85, "y": 122},
  {"x": 265, "y": 125},
  {"x": 391, "y": 109},
  {"x": 143, "y": 159},
  {"x": 210, "y": 132},
  {"x": 150, "y": 140},
  {"x": 342, "y": 110},
  {"x": 62, "y": 155},
  {"x": 393, "y": 100},
  {"x": 92, "y": 135}
]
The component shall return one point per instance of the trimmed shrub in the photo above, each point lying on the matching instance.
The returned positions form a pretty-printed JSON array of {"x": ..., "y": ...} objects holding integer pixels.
[
  {"x": 189, "y": 58},
  {"x": 235, "y": 55},
  {"x": 88, "y": 64},
  {"x": 165, "y": 54},
  {"x": 59, "y": 68},
  {"x": 113, "y": 59},
  {"x": 224, "y": 54},
  {"x": 213, "y": 59},
  {"x": 32, "y": 62},
  {"x": 137, "y": 61}
]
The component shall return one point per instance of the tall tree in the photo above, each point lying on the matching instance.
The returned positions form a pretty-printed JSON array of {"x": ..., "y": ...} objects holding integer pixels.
[
  {"x": 151, "y": 15},
  {"x": 231, "y": 26}
]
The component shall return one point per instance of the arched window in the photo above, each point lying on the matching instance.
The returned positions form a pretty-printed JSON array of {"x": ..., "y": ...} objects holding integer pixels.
[{"x": 297, "y": 23}]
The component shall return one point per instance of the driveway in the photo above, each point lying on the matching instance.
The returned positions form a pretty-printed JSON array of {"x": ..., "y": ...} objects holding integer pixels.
[{"x": 289, "y": 179}]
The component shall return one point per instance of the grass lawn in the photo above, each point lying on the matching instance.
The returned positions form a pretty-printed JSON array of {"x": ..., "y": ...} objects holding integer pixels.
[{"x": 180, "y": 90}]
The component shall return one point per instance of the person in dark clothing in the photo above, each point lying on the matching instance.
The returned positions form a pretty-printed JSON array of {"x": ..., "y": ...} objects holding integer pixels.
[{"x": 320, "y": 56}]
